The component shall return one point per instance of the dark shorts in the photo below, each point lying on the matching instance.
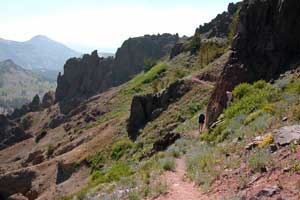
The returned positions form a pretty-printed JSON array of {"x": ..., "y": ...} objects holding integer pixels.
[{"x": 201, "y": 121}]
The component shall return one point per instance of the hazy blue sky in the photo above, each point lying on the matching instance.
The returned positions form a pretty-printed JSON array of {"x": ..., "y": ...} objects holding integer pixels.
[{"x": 89, "y": 24}]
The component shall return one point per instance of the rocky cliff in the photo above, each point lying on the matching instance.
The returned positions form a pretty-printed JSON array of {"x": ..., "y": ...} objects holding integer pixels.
[
  {"x": 267, "y": 39},
  {"x": 148, "y": 107},
  {"x": 219, "y": 27},
  {"x": 83, "y": 77}
]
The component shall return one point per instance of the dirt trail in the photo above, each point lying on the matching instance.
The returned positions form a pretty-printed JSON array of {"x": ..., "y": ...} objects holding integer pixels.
[
  {"x": 196, "y": 80},
  {"x": 178, "y": 187}
]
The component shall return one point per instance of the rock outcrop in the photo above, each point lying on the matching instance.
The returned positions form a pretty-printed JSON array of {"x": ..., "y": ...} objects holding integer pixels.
[
  {"x": 148, "y": 107},
  {"x": 267, "y": 40},
  {"x": 16, "y": 182},
  {"x": 10, "y": 132},
  {"x": 33, "y": 106},
  {"x": 219, "y": 30},
  {"x": 86, "y": 76},
  {"x": 219, "y": 27},
  {"x": 48, "y": 99}
]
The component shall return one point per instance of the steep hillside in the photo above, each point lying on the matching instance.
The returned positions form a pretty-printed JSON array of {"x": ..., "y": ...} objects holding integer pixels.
[
  {"x": 38, "y": 52},
  {"x": 127, "y": 127},
  {"x": 91, "y": 74},
  {"x": 19, "y": 86},
  {"x": 266, "y": 42}
]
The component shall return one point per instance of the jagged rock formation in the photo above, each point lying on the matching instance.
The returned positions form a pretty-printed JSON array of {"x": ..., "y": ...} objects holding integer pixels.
[
  {"x": 268, "y": 38},
  {"x": 83, "y": 77},
  {"x": 48, "y": 99},
  {"x": 10, "y": 133},
  {"x": 220, "y": 26},
  {"x": 35, "y": 105},
  {"x": 218, "y": 30},
  {"x": 148, "y": 107}
]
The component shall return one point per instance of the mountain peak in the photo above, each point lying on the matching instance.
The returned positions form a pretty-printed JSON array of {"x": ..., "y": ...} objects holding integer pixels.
[
  {"x": 8, "y": 61},
  {"x": 40, "y": 38}
]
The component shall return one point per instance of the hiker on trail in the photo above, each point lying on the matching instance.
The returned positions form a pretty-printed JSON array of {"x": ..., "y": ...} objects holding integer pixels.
[
  {"x": 201, "y": 122},
  {"x": 229, "y": 97}
]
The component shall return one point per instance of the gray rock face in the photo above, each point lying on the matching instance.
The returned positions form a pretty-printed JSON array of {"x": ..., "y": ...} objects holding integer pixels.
[
  {"x": 148, "y": 107},
  {"x": 264, "y": 44},
  {"x": 287, "y": 135},
  {"x": 86, "y": 76}
]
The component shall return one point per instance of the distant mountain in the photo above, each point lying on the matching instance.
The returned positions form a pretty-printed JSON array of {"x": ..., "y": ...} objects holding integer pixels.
[
  {"x": 40, "y": 52},
  {"x": 18, "y": 86}
]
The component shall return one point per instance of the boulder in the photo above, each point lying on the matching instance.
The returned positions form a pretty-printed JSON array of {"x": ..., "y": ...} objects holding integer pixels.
[
  {"x": 48, "y": 99},
  {"x": 167, "y": 140},
  {"x": 16, "y": 182},
  {"x": 35, "y": 158},
  {"x": 267, "y": 192},
  {"x": 148, "y": 107},
  {"x": 57, "y": 121},
  {"x": 287, "y": 135},
  {"x": 64, "y": 171},
  {"x": 265, "y": 43}
]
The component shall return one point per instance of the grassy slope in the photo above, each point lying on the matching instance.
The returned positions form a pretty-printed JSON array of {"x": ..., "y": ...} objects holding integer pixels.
[
  {"x": 120, "y": 162},
  {"x": 257, "y": 109}
]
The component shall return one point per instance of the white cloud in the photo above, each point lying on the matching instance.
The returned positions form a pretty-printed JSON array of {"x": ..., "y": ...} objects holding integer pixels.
[{"x": 107, "y": 26}]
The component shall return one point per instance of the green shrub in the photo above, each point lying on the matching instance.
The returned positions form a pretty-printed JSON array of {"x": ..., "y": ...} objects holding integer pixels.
[
  {"x": 248, "y": 98},
  {"x": 117, "y": 170},
  {"x": 120, "y": 148},
  {"x": 204, "y": 164},
  {"x": 147, "y": 77},
  {"x": 295, "y": 109},
  {"x": 148, "y": 64},
  {"x": 209, "y": 51},
  {"x": 260, "y": 159},
  {"x": 167, "y": 164},
  {"x": 27, "y": 122},
  {"x": 251, "y": 117},
  {"x": 96, "y": 161},
  {"x": 114, "y": 173},
  {"x": 40, "y": 135},
  {"x": 293, "y": 87},
  {"x": 195, "y": 43},
  {"x": 50, "y": 150},
  {"x": 134, "y": 196},
  {"x": 174, "y": 151},
  {"x": 242, "y": 90}
]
